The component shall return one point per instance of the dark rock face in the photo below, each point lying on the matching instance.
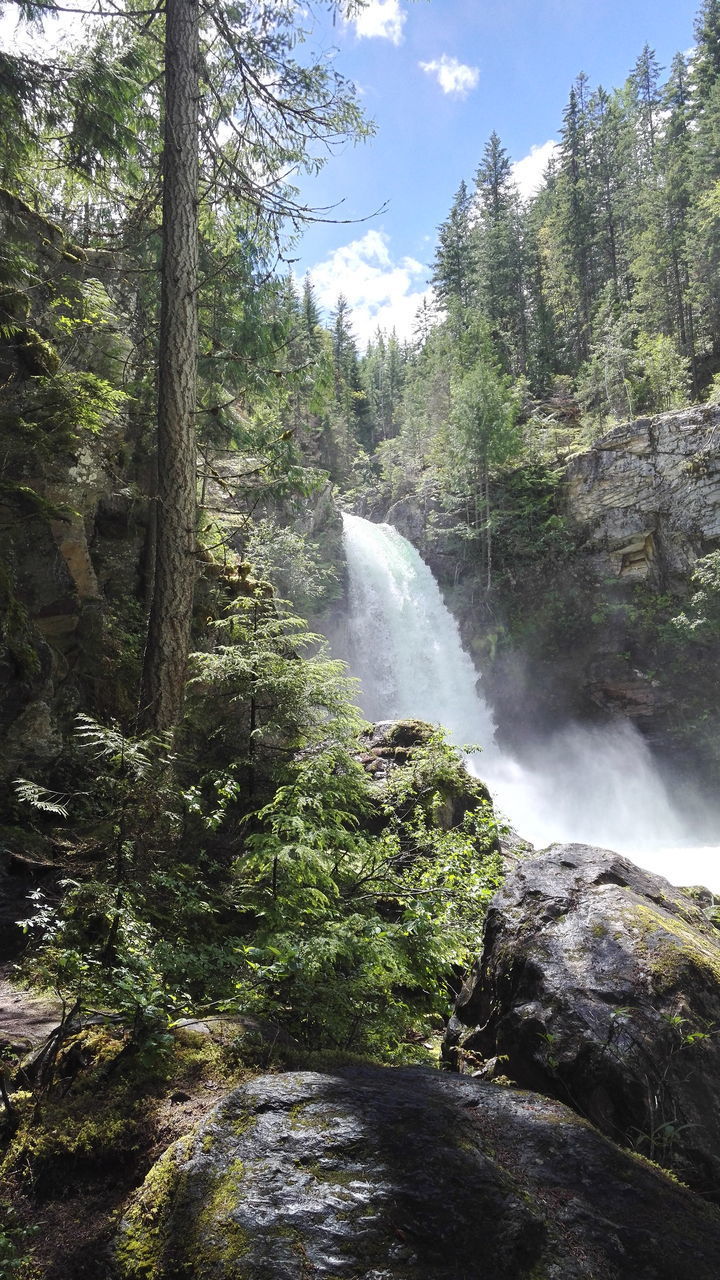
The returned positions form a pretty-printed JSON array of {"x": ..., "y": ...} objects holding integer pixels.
[
  {"x": 380, "y": 1174},
  {"x": 600, "y": 984},
  {"x": 62, "y": 557}
]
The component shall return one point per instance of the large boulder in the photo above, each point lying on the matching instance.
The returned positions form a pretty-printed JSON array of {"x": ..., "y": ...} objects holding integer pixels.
[
  {"x": 371, "y": 1173},
  {"x": 599, "y": 984}
]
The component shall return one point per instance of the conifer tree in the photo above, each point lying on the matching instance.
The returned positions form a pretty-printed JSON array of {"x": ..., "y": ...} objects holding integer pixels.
[
  {"x": 571, "y": 235},
  {"x": 501, "y": 256},
  {"x": 259, "y": 113},
  {"x": 646, "y": 97},
  {"x": 168, "y": 643},
  {"x": 455, "y": 272}
]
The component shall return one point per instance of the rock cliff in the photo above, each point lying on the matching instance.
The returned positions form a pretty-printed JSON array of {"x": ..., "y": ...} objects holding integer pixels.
[
  {"x": 591, "y": 563},
  {"x": 72, "y": 522},
  {"x": 646, "y": 497}
]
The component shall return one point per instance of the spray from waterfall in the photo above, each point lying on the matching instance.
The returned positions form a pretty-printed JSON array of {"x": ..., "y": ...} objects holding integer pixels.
[{"x": 595, "y": 784}]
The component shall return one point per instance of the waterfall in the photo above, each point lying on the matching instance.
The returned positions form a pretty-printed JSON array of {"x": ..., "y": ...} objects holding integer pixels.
[{"x": 593, "y": 784}]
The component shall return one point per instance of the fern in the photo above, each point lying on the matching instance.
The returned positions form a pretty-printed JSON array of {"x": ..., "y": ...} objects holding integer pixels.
[
  {"x": 40, "y": 798},
  {"x": 136, "y": 756}
]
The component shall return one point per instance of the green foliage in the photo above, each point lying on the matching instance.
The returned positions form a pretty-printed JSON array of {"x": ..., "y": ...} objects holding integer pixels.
[
  {"x": 713, "y": 392},
  {"x": 336, "y": 908},
  {"x": 291, "y": 562},
  {"x": 665, "y": 373},
  {"x": 254, "y": 700},
  {"x": 55, "y": 410},
  {"x": 356, "y": 934},
  {"x": 700, "y": 623},
  {"x": 15, "y": 1243},
  {"x": 40, "y": 798},
  {"x": 529, "y": 521}
]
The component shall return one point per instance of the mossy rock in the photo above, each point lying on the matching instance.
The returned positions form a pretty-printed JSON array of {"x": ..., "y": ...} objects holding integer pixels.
[
  {"x": 600, "y": 983},
  {"x": 406, "y": 1175}
]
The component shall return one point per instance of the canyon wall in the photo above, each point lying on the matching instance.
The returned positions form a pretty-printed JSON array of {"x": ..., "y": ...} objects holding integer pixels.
[{"x": 578, "y": 622}]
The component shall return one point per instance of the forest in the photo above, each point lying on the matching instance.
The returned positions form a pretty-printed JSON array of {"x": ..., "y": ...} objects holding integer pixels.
[{"x": 196, "y": 822}]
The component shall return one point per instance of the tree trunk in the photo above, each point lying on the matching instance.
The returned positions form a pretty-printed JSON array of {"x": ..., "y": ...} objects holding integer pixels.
[{"x": 168, "y": 641}]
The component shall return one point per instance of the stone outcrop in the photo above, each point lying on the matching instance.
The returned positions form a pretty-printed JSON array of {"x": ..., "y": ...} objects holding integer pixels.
[
  {"x": 379, "y": 1174},
  {"x": 579, "y": 628},
  {"x": 599, "y": 984},
  {"x": 647, "y": 496},
  {"x": 68, "y": 497}
]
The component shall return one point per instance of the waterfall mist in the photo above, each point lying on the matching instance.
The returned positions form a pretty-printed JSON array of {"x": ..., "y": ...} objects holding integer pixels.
[{"x": 596, "y": 784}]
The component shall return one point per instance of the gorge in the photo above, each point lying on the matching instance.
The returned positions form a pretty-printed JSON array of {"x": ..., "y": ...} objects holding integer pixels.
[
  {"x": 284, "y": 994},
  {"x": 596, "y": 784}
]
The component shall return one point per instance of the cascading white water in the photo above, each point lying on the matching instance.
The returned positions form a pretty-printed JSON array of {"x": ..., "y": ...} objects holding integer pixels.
[{"x": 592, "y": 784}]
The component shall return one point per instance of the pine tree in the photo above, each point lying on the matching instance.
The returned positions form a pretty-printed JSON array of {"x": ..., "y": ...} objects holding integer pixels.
[
  {"x": 646, "y": 102},
  {"x": 501, "y": 256},
  {"x": 660, "y": 262},
  {"x": 170, "y": 620},
  {"x": 703, "y": 250},
  {"x": 454, "y": 273},
  {"x": 310, "y": 309},
  {"x": 606, "y": 191},
  {"x": 260, "y": 112},
  {"x": 568, "y": 235}
]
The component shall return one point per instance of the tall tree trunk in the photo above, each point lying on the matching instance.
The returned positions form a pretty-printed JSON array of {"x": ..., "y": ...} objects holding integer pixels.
[{"x": 171, "y": 610}]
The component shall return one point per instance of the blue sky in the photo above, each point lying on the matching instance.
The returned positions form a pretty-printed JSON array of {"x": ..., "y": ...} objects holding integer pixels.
[{"x": 437, "y": 76}]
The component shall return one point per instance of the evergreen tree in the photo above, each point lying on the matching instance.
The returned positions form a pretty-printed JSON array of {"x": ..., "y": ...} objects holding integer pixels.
[
  {"x": 501, "y": 256},
  {"x": 168, "y": 643},
  {"x": 381, "y": 373},
  {"x": 606, "y": 187},
  {"x": 260, "y": 110},
  {"x": 454, "y": 274},
  {"x": 660, "y": 263},
  {"x": 310, "y": 309},
  {"x": 703, "y": 249},
  {"x": 570, "y": 236},
  {"x": 646, "y": 103}
]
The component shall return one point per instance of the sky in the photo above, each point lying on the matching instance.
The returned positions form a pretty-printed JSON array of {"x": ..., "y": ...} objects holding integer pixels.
[{"x": 437, "y": 77}]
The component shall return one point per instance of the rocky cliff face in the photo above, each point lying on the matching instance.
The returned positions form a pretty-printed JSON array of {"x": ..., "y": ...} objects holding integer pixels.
[
  {"x": 578, "y": 623},
  {"x": 72, "y": 522},
  {"x": 646, "y": 498}
]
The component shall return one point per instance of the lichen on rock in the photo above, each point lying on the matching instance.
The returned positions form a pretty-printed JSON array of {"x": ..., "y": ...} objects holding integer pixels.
[
  {"x": 406, "y": 1175},
  {"x": 599, "y": 983}
]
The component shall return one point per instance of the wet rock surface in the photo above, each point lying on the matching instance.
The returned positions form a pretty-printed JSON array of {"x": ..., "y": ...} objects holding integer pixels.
[
  {"x": 599, "y": 983},
  {"x": 381, "y": 1174}
]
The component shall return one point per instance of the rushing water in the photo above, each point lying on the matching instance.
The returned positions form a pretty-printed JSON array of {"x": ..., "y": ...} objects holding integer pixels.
[{"x": 594, "y": 784}]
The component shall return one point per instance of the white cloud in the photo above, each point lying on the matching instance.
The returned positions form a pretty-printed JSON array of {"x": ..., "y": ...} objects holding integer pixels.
[
  {"x": 528, "y": 172},
  {"x": 381, "y": 292},
  {"x": 382, "y": 18},
  {"x": 452, "y": 76}
]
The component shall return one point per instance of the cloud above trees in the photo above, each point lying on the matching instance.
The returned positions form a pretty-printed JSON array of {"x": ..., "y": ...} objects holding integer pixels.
[
  {"x": 528, "y": 172},
  {"x": 381, "y": 291},
  {"x": 453, "y": 76},
  {"x": 382, "y": 19}
]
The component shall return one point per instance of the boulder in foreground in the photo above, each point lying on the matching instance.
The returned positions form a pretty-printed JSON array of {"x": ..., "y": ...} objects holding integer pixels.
[
  {"x": 372, "y": 1173},
  {"x": 599, "y": 984}
]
